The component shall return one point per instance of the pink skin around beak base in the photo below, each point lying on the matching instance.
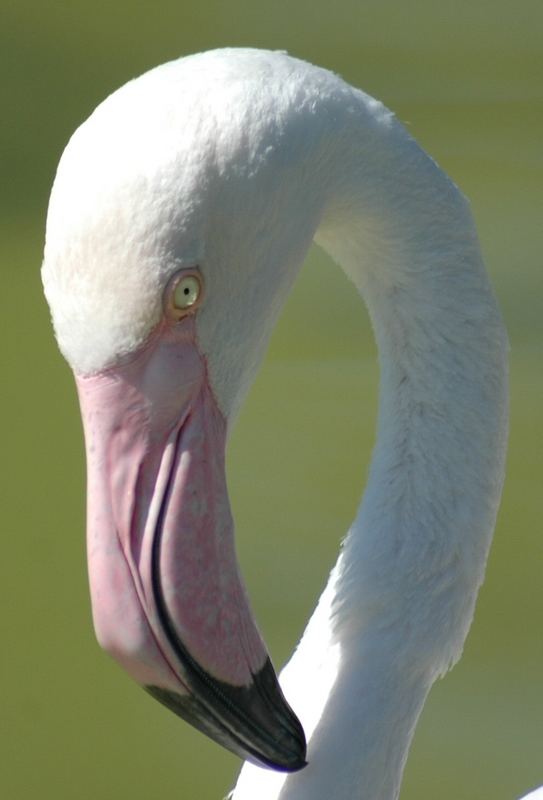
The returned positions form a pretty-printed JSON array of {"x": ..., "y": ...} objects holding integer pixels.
[{"x": 155, "y": 442}]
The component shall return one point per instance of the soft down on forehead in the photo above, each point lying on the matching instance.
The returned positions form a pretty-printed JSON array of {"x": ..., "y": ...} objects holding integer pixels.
[{"x": 203, "y": 161}]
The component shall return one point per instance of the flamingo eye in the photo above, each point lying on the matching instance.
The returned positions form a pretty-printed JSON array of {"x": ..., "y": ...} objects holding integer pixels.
[{"x": 183, "y": 293}]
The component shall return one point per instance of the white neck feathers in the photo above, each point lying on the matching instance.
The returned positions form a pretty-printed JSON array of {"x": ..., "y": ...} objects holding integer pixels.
[{"x": 400, "y": 600}]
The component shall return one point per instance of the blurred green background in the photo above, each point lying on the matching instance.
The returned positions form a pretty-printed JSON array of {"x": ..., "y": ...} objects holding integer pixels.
[{"x": 466, "y": 77}]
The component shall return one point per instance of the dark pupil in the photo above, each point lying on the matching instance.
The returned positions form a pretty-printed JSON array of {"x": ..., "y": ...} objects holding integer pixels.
[{"x": 186, "y": 290}]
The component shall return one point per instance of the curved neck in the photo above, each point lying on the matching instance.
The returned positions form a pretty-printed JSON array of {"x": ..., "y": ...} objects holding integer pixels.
[{"x": 400, "y": 600}]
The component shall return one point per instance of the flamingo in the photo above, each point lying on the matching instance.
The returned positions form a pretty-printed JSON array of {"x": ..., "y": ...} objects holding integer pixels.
[{"x": 180, "y": 214}]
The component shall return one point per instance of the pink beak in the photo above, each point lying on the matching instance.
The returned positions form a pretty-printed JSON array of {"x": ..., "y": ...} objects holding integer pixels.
[{"x": 168, "y": 600}]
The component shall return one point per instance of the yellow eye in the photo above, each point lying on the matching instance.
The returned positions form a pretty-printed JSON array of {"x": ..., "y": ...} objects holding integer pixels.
[
  {"x": 183, "y": 293},
  {"x": 187, "y": 292}
]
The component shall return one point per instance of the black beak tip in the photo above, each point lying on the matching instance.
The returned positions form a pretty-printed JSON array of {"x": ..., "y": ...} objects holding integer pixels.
[
  {"x": 255, "y": 722},
  {"x": 294, "y": 764},
  {"x": 289, "y": 754}
]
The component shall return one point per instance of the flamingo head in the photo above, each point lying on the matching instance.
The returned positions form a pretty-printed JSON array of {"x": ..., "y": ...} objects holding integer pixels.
[{"x": 176, "y": 222}]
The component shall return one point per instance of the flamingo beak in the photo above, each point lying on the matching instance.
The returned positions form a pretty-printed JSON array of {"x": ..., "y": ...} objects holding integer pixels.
[{"x": 168, "y": 601}]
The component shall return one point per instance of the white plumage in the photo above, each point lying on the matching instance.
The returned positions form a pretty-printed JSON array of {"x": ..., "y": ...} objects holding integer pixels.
[{"x": 235, "y": 160}]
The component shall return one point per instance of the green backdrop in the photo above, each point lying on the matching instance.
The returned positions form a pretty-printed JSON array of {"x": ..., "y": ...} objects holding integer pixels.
[{"x": 466, "y": 78}]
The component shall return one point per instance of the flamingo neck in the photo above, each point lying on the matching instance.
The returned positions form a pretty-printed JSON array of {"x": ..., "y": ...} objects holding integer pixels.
[{"x": 400, "y": 599}]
